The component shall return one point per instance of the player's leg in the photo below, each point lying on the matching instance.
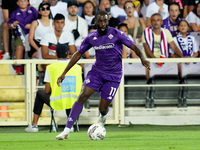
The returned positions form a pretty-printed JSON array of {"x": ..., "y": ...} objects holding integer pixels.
[
  {"x": 103, "y": 109},
  {"x": 76, "y": 110},
  {"x": 108, "y": 91}
]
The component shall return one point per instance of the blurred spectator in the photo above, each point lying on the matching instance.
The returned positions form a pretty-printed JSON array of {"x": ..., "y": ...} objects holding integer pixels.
[
  {"x": 194, "y": 18},
  {"x": 8, "y": 7},
  {"x": 117, "y": 11},
  {"x": 183, "y": 6},
  {"x": 156, "y": 7},
  {"x": 52, "y": 95},
  {"x": 58, "y": 7},
  {"x": 135, "y": 25},
  {"x": 35, "y": 3},
  {"x": 39, "y": 27},
  {"x": 50, "y": 40},
  {"x": 88, "y": 11},
  {"x": 76, "y": 24},
  {"x": 20, "y": 21},
  {"x": 156, "y": 39},
  {"x": 91, "y": 51},
  {"x": 191, "y": 5},
  {"x": 185, "y": 42},
  {"x": 171, "y": 22},
  {"x": 127, "y": 52},
  {"x": 105, "y": 6}
]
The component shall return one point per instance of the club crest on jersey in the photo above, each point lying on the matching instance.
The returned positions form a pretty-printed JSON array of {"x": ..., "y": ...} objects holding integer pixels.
[{"x": 110, "y": 36}]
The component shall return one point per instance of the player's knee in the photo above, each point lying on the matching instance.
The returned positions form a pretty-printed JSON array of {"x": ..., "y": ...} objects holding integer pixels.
[{"x": 83, "y": 97}]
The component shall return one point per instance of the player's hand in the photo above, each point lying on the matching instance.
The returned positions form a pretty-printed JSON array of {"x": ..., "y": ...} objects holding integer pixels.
[
  {"x": 146, "y": 63},
  {"x": 60, "y": 79}
]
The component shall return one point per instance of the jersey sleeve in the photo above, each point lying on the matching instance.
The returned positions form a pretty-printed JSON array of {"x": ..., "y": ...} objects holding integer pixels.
[
  {"x": 85, "y": 45},
  {"x": 124, "y": 39}
]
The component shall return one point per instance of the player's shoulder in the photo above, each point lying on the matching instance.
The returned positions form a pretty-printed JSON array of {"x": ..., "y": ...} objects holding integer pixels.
[
  {"x": 92, "y": 34},
  {"x": 115, "y": 31}
]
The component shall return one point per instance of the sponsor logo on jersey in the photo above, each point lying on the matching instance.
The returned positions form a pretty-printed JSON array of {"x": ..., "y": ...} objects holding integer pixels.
[
  {"x": 18, "y": 14},
  {"x": 104, "y": 46}
]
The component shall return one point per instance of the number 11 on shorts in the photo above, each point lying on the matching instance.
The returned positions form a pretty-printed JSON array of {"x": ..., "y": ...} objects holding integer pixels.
[{"x": 112, "y": 91}]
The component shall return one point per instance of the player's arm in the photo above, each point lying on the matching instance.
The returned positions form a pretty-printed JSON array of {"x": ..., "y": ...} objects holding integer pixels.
[
  {"x": 77, "y": 55},
  {"x": 139, "y": 54}
]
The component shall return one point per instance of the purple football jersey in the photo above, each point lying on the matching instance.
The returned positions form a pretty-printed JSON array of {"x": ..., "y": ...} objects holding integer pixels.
[
  {"x": 172, "y": 27},
  {"x": 108, "y": 49}
]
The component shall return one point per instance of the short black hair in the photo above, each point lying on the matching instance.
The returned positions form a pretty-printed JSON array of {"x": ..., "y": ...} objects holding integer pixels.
[
  {"x": 122, "y": 25},
  {"x": 40, "y": 7},
  {"x": 101, "y": 13},
  {"x": 174, "y": 3},
  {"x": 59, "y": 17}
]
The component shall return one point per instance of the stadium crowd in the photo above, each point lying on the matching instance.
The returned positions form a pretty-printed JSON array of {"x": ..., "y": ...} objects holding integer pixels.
[{"x": 31, "y": 23}]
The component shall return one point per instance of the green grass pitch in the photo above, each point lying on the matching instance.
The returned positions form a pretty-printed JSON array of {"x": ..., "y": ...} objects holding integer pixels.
[{"x": 132, "y": 137}]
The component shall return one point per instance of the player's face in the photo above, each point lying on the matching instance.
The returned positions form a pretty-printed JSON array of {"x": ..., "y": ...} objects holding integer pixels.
[
  {"x": 183, "y": 27},
  {"x": 102, "y": 24},
  {"x": 59, "y": 24},
  {"x": 174, "y": 12},
  {"x": 73, "y": 10},
  {"x": 156, "y": 21}
]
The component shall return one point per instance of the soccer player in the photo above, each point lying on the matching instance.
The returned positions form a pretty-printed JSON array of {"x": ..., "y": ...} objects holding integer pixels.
[{"x": 106, "y": 73}]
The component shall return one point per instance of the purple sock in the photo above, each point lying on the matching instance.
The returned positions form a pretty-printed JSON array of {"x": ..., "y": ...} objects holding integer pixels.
[{"x": 74, "y": 113}]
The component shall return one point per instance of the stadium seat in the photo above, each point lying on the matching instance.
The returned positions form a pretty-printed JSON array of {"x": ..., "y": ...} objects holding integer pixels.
[
  {"x": 167, "y": 74},
  {"x": 191, "y": 75},
  {"x": 135, "y": 74}
]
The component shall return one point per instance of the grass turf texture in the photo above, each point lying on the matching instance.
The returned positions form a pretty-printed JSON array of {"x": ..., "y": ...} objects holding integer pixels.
[{"x": 132, "y": 137}]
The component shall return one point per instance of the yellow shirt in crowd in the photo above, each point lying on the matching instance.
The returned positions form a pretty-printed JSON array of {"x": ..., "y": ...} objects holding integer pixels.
[{"x": 157, "y": 41}]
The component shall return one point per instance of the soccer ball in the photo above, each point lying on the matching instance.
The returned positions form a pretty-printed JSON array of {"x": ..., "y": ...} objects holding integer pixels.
[{"x": 96, "y": 132}]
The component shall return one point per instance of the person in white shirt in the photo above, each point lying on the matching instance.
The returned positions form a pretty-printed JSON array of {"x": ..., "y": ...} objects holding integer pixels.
[
  {"x": 58, "y": 7},
  {"x": 50, "y": 40},
  {"x": 187, "y": 44},
  {"x": 156, "y": 7},
  {"x": 194, "y": 18},
  {"x": 76, "y": 24}
]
